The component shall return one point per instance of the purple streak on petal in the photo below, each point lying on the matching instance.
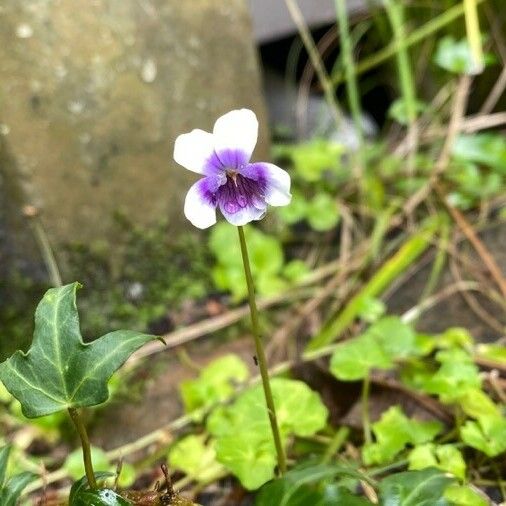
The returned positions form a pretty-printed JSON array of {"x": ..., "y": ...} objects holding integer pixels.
[
  {"x": 257, "y": 172},
  {"x": 208, "y": 187},
  {"x": 240, "y": 192},
  {"x": 213, "y": 166},
  {"x": 233, "y": 159}
]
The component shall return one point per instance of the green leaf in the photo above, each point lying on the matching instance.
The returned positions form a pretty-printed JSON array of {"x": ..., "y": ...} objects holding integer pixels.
[
  {"x": 371, "y": 309},
  {"x": 455, "y": 56},
  {"x": 101, "y": 497},
  {"x": 477, "y": 403},
  {"x": 74, "y": 462},
  {"x": 299, "y": 411},
  {"x": 396, "y": 338},
  {"x": 415, "y": 488},
  {"x": 302, "y": 487},
  {"x": 384, "y": 341},
  {"x": 353, "y": 359},
  {"x": 81, "y": 485},
  {"x": 494, "y": 352},
  {"x": 195, "y": 458},
  {"x": 463, "y": 495},
  {"x": 60, "y": 371},
  {"x": 10, "y": 492},
  {"x": 313, "y": 158},
  {"x": 296, "y": 270},
  {"x": 11, "y": 489},
  {"x": 398, "y": 110},
  {"x": 296, "y": 211},
  {"x": 488, "y": 149},
  {"x": 265, "y": 254},
  {"x": 488, "y": 434},
  {"x": 445, "y": 457},
  {"x": 457, "y": 374},
  {"x": 323, "y": 212},
  {"x": 252, "y": 459},
  {"x": 393, "y": 432},
  {"x": 215, "y": 383},
  {"x": 4, "y": 457}
]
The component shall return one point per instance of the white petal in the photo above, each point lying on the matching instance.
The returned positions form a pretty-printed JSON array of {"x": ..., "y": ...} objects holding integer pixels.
[
  {"x": 244, "y": 216},
  {"x": 193, "y": 149},
  {"x": 236, "y": 130},
  {"x": 278, "y": 185},
  {"x": 197, "y": 208}
]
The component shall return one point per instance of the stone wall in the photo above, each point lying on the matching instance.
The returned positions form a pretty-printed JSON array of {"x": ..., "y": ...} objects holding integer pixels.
[{"x": 94, "y": 92}]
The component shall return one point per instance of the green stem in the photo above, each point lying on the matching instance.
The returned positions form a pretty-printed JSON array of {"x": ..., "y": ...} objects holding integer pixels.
[
  {"x": 349, "y": 69},
  {"x": 316, "y": 60},
  {"x": 260, "y": 354},
  {"x": 414, "y": 37},
  {"x": 474, "y": 35},
  {"x": 366, "y": 421},
  {"x": 337, "y": 442},
  {"x": 85, "y": 443},
  {"x": 396, "y": 17}
]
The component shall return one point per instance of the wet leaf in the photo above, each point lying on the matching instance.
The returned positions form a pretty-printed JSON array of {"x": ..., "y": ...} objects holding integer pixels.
[{"x": 60, "y": 371}]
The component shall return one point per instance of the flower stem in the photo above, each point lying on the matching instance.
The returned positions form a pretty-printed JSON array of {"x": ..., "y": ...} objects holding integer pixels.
[
  {"x": 85, "y": 443},
  {"x": 260, "y": 354}
]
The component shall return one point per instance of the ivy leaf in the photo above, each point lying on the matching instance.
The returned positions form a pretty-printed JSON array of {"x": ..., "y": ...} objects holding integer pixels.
[
  {"x": 215, "y": 382},
  {"x": 60, "y": 371},
  {"x": 11, "y": 489},
  {"x": 488, "y": 434},
  {"x": 415, "y": 488},
  {"x": 393, "y": 432},
  {"x": 100, "y": 497}
]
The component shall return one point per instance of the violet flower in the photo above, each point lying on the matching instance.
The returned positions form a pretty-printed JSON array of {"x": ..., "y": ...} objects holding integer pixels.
[{"x": 242, "y": 190}]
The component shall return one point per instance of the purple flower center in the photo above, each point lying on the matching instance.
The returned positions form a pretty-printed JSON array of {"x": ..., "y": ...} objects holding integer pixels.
[{"x": 239, "y": 192}]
